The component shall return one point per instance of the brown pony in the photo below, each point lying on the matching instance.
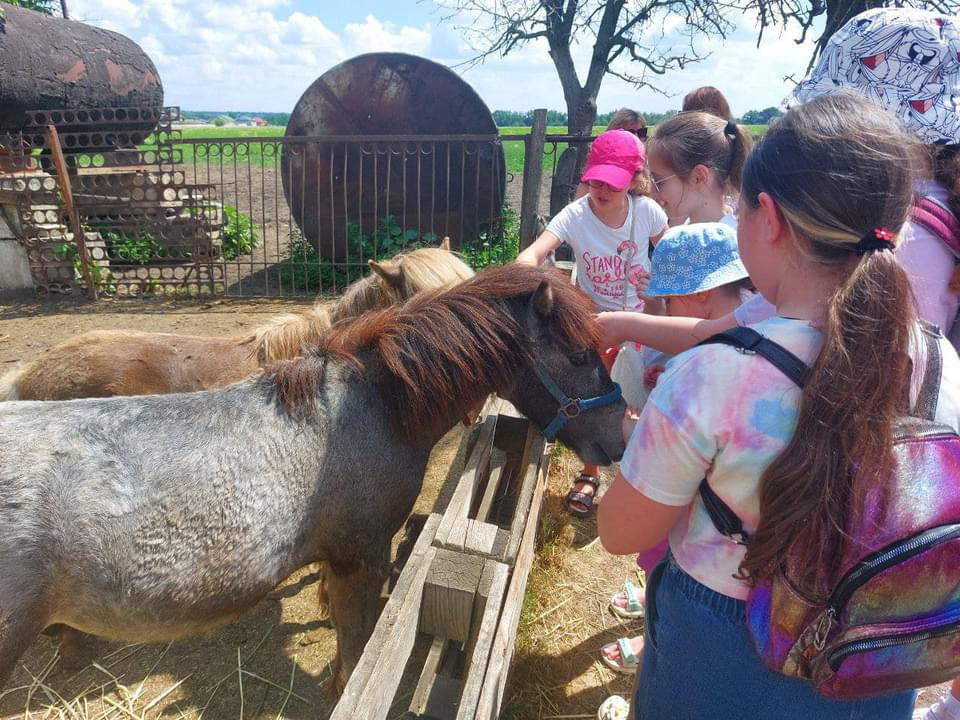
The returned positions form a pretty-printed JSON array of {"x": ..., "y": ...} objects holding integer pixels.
[{"x": 127, "y": 362}]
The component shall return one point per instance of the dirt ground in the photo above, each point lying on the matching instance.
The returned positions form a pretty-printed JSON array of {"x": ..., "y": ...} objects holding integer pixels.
[{"x": 275, "y": 661}]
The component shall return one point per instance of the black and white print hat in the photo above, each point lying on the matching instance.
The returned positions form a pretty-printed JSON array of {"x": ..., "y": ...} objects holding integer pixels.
[{"x": 904, "y": 60}]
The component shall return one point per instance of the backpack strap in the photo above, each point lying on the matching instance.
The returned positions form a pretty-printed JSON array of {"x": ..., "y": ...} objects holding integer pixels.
[
  {"x": 929, "y": 394},
  {"x": 746, "y": 339},
  {"x": 938, "y": 220}
]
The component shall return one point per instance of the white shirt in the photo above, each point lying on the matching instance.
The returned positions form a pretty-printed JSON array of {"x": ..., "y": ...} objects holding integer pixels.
[{"x": 610, "y": 261}]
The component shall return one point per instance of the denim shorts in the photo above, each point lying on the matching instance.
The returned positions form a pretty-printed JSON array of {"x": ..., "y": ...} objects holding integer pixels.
[{"x": 699, "y": 663}]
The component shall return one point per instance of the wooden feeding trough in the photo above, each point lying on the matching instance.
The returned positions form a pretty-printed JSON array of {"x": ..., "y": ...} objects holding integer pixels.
[{"x": 445, "y": 639}]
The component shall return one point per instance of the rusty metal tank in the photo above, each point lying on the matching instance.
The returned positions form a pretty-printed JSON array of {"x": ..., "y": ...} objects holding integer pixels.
[
  {"x": 94, "y": 77},
  {"x": 389, "y": 109}
]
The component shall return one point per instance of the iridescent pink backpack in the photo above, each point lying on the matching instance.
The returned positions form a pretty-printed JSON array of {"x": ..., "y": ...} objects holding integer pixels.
[{"x": 892, "y": 622}]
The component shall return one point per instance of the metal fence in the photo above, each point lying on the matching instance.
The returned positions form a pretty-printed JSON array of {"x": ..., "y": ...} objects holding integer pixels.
[{"x": 271, "y": 216}]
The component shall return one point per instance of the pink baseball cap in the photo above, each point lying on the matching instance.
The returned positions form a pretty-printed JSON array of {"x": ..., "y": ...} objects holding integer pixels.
[{"x": 615, "y": 157}]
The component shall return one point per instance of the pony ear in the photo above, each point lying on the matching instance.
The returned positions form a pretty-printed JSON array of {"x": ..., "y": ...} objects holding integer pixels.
[
  {"x": 543, "y": 300},
  {"x": 445, "y": 243},
  {"x": 391, "y": 273}
]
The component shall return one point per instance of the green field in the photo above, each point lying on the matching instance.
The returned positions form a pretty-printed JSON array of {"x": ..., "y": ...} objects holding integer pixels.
[{"x": 513, "y": 149}]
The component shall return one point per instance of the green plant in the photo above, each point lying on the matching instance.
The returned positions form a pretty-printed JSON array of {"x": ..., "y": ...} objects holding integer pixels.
[
  {"x": 102, "y": 277},
  {"x": 238, "y": 236},
  {"x": 497, "y": 246},
  {"x": 305, "y": 270},
  {"x": 138, "y": 247}
]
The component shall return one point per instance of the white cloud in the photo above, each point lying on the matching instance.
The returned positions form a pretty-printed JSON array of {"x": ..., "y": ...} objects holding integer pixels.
[
  {"x": 258, "y": 55},
  {"x": 374, "y": 36}
]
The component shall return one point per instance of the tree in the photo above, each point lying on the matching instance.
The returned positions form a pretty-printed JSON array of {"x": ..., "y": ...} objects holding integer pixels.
[
  {"x": 43, "y": 6},
  {"x": 760, "y": 117},
  {"x": 784, "y": 13},
  {"x": 619, "y": 30}
]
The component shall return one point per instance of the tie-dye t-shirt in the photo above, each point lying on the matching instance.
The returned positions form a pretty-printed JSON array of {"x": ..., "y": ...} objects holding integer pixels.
[{"x": 719, "y": 411}]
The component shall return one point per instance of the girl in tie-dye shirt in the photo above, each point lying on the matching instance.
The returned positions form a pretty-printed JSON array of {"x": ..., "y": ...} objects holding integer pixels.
[{"x": 824, "y": 180}]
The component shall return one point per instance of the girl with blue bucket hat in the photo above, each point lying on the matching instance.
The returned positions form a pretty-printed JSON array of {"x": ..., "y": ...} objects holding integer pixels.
[{"x": 696, "y": 270}]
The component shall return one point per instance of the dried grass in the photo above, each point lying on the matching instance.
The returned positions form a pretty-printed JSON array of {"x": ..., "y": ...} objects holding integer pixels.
[{"x": 557, "y": 672}]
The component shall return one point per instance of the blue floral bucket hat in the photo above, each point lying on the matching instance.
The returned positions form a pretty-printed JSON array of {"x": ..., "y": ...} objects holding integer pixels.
[
  {"x": 905, "y": 60},
  {"x": 693, "y": 258}
]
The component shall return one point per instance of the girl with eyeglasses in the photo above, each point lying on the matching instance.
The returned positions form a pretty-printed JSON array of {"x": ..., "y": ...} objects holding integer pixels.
[
  {"x": 610, "y": 232},
  {"x": 696, "y": 160}
]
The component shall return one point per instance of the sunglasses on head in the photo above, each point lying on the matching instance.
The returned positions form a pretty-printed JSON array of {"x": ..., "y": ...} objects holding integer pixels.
[{"x": 639, "y": 132}]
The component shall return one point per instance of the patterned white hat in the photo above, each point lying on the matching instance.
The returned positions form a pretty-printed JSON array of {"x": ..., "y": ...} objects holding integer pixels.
[
  {"x": 693, "y": 258},
  {"x": 905, "y": 60}
]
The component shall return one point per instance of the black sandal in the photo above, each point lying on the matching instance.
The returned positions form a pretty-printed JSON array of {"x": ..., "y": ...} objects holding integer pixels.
[{"x": 575, "y": 498}]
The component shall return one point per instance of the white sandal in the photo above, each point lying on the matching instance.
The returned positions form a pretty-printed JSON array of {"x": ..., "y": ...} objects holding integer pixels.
[
  {"x": 613, "y": 708},
  {"x": 629, "y": 662},
  {"x": 634, "y": 608}
]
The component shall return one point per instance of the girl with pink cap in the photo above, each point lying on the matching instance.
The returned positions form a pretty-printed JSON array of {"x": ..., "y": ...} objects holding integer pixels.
[{"x": 610, "y": 232}]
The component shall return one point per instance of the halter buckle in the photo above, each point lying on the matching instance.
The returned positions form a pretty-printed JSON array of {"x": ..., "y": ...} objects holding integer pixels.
[{"x": 571, "y": 409}]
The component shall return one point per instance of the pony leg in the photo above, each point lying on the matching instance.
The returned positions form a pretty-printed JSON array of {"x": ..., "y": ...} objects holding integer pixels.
[
  {"x": 20, "y": 623},
  {"x": 354, "y": 608}
]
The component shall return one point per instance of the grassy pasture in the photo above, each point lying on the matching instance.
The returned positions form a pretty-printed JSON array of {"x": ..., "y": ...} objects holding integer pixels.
[{"x": 260, "y": 154}]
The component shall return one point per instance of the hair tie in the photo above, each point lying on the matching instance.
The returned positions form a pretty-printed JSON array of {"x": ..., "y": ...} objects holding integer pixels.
[
  {"x": 730, "y": 128},
  {"x": 877, "y": 239}
]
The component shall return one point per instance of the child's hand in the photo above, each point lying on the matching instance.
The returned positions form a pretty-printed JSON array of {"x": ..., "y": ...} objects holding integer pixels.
[
  {"x": 609, "y": 335},
  {"x": 630, "y": 417},
  {"x": 639, "y": 278},
  {"x": 651, "y": 374}
]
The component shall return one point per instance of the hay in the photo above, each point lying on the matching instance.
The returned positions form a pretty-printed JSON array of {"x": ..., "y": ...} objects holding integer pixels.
[{"x": 557, "y": 671}]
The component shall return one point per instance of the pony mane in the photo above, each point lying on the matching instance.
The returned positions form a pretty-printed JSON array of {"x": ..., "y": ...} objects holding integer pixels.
[
  {"x": 423, "y": 269},
  {"x": 286, "y": 336},
  {"x": 442, "y": 352}
]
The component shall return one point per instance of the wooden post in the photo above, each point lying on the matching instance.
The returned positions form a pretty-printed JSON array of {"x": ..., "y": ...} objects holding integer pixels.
[
  {"x": 74, "y": 218},
  {"x": 532, "y": 177}
]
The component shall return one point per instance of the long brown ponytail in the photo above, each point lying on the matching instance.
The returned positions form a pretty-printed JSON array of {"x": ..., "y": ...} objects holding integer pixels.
[
  {"x": 698, "y": 138},
  {"x": 836, "y": 169}
]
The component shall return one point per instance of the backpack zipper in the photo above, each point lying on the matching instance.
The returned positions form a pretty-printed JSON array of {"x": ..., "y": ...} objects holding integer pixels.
[
  {"x": 868, "y": 568},
  {"x": 838, "y": 654}
]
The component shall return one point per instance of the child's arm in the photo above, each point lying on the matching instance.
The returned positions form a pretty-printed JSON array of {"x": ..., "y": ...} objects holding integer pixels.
[
  {"x": 667, "y": 334},
  {"x": 539, "y": 249}
]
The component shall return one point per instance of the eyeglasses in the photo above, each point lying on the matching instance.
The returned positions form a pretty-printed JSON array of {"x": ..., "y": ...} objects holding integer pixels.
[
  {"x": 639, "y": 132},
  {"x": 658, "y": 182}
]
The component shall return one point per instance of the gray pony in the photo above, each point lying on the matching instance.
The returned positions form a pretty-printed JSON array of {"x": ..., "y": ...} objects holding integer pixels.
[{"x": 151, "y": 518}]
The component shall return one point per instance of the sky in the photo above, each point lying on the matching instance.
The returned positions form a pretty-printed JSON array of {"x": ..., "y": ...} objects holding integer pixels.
[{"x": 260, "y": 55}]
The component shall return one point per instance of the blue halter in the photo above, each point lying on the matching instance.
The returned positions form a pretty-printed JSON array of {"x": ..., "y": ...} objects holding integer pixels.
[{"x": 571, "y": 407}]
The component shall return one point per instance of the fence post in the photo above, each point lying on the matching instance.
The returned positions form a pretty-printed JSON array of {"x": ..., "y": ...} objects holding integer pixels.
[{"x": 532, "y": 178}]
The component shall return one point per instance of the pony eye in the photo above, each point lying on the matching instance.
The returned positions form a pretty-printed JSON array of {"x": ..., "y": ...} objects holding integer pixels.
[{"x": 581, "y": 357}]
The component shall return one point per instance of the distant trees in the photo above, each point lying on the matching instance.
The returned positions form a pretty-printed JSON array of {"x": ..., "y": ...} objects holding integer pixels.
[{"x": 760, "y": 117}]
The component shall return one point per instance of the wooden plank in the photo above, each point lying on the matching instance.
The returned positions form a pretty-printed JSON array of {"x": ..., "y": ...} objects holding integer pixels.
[
  {"x": 479, "y": 653},
  {"x": 448, "y": 594},
  {"x": 389, "y": 646},
  {"x": 427, "y": 676},
  {"x": 452, "y": 532},
  {"x": 532, "y": 175},
  {"x": 530, "y": 467},
  {"x": 495, "y": 678},
  {"x": 481, "y": 538},
  {"x": 498, "y": 461}
]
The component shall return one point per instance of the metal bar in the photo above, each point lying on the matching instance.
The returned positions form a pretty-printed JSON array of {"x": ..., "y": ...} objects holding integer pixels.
[
  {"x": 348, "y": 138},
  {"x": 78, "y": 237}
]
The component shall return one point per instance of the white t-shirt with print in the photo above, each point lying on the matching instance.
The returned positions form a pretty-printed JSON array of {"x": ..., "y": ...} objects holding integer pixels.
[
  {"x": 608, "y": 257},
  {"x": 731, "y": 414}
]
